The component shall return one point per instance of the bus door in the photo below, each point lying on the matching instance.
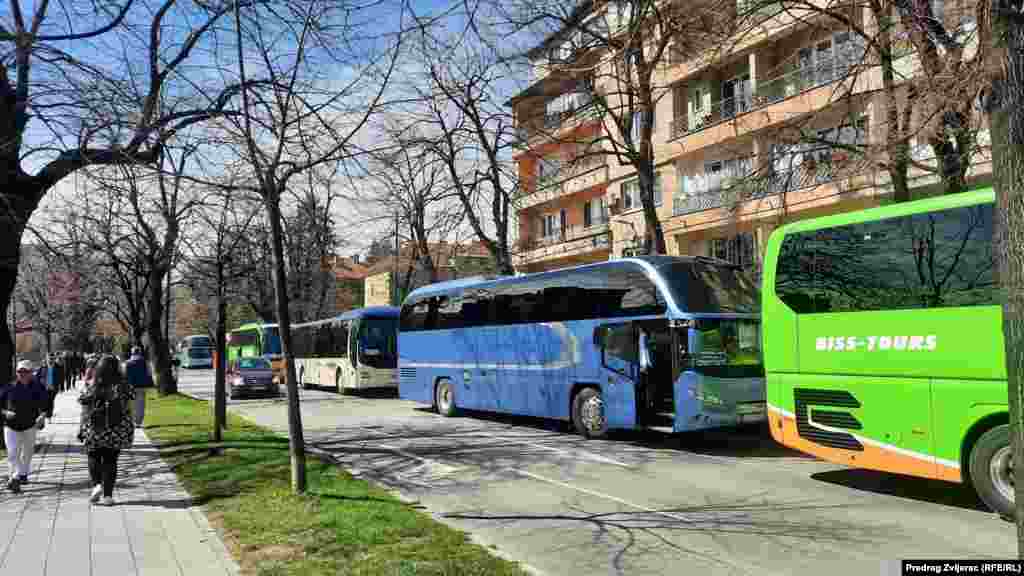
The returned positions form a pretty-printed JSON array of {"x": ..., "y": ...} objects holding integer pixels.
[{"x": 620, "y": 369}]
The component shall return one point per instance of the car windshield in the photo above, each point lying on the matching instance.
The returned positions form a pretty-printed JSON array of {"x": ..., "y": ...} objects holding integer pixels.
[
  {"x": 253, "y": 363},
  {"x": 701, "y": 286}
]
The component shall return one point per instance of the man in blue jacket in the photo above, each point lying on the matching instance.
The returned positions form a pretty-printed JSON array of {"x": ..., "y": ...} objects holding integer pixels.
[
  {"x": 24, "y": 404},
  {"x": 137, "y": 373}
]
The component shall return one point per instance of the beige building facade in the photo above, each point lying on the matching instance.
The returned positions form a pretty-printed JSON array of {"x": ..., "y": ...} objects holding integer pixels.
[{"x": 739, "y": 143}]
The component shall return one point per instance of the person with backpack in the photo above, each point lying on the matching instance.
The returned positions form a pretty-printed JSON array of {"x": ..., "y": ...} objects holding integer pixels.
[
  {"x": 23, "y": 403},
  {"x": 106, "y": 426},
  {"x": 139, "y": 378}
]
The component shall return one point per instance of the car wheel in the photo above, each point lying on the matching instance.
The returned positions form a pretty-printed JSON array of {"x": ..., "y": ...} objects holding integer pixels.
[
  {"x": 444, "y": 398},
  {"x": 588, "y": 414},
  {"x": 991, "y": 468}
]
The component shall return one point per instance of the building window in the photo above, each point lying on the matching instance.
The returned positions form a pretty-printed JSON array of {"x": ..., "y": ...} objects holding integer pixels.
[
  {"x": 738, "y": 249},
  {"x": 631, "y": 193},
  {"x": 638, "y": 123},
  {"x": 595, "y": 212}
]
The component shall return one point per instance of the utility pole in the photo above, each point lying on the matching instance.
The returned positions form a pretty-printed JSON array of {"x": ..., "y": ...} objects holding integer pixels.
[{"x": 394, "y": 281}]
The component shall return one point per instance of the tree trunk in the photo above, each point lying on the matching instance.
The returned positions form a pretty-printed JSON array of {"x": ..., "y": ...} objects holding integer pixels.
[
  {"x": 158, "y": 349},
  {"x": 219, "y": 390},
  {"x": 295, "y": 438},
  {"x": 1006, "y": 123}
]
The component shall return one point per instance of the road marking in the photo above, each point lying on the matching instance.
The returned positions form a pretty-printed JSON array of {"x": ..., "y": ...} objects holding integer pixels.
[
  {"x": 599, "y": 495},
  {"x": 572, "y": 453},
  {"x": 440, "y": 467}
]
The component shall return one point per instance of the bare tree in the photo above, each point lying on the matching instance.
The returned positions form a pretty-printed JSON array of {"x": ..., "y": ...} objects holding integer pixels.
[
  {"x": 412, "y": 183},
  {"x": 301, "y": 119},
  {"x": 213, "y": 265},
  {"x": 75, "y": 94},
  {"x": 465, "y": 126}
]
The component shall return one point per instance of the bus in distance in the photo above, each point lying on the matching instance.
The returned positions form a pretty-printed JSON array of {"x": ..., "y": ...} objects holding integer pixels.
[
  {"x": 884, "y": 344},
  {"x": 661, "y": 342},
  {"x": 257, "y": 339},
  {"x": 353, "y": 351},
  {"x": 195, "y": 351}
]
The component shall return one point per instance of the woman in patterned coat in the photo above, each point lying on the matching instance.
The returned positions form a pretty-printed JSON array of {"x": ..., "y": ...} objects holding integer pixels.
[{"x": 104, "y": 443}]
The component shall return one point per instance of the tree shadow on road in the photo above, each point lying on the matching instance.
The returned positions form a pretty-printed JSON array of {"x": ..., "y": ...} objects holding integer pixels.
[{"x": 635, "y": 534}]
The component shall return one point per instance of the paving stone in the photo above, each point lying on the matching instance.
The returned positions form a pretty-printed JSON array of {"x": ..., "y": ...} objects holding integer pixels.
[{"x": 51, "y": 529}]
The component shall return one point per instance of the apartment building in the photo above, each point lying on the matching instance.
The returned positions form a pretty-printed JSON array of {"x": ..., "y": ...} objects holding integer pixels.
[{"x": 738, "y": 141}]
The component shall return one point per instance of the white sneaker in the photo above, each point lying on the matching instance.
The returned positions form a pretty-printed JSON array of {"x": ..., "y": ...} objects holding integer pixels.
[
  {"x": 97, "y": 490},
  {"x": 108, "y": 500}
]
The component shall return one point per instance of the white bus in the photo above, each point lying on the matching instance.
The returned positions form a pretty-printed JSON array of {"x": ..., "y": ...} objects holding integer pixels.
[
  {"x": 195, "y": 351},
  {"x": 356, "y": 350}
]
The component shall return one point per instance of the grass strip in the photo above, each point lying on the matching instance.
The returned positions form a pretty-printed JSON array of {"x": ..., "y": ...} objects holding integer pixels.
[{"x": 342, "y": 525}]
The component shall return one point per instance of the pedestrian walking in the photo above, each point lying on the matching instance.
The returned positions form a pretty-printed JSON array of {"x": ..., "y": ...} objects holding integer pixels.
[
  {"x": 140, "y": 379},
  {"x": 106, "y": 426},
  {"x": 24, "y": 403}
]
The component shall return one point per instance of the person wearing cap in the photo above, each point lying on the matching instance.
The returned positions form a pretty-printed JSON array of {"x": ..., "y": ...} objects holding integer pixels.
[
  {"x": 137, "y": 374},
  {"x": 24, "y": 405}
]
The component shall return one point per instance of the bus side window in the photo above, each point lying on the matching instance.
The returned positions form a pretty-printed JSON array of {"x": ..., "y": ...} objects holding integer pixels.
[
  {"x": 340, "y": 338},
  {"x": 619, "y": 347}
]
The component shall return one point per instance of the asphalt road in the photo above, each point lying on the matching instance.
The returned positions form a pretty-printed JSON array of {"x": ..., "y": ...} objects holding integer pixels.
[{"x": 728, "y": 502}]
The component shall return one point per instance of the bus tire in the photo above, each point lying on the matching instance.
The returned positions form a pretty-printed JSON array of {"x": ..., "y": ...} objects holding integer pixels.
[
  {"x": 444, "y": 398},
  {"x": 588, "y": 413},
  {"x": 337, "y": 381},
  {"x": 991, "y": 469}
]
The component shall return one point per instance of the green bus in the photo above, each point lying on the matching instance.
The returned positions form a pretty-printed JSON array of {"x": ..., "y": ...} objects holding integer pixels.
[
  {"x": 257, "y": 339},
  {"x": 883, "y": 342}
]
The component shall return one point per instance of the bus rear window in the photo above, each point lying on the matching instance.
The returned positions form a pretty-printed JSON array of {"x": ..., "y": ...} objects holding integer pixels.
[{"x": 712, "y": 288}]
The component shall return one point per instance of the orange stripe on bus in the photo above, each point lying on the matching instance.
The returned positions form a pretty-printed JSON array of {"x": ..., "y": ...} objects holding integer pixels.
[{"x": 872, "y": 457}]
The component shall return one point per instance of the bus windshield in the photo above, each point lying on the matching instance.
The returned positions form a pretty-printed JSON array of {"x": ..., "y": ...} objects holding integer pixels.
[
  {"x": 379, "y": 334},
  {"x": 712, "y": 288},
  {"x": 247, "y": 338},
  {"x": 198, "y": 352},
  {"x": 724, "y": 342},
  {"x": 271, "y": 341}
]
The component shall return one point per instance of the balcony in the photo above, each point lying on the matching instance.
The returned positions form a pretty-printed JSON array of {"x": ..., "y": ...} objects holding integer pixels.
[
  {"x": 770, "y": 90},
  {"x": 569, "y": 241},
  {"x": 570, "y": 180},
  {"x": 551, "y": 123},
  {"x": 730, "y": 191}
]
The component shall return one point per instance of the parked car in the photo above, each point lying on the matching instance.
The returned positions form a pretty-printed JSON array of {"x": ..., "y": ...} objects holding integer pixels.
[{"x": 251, "y": 376}]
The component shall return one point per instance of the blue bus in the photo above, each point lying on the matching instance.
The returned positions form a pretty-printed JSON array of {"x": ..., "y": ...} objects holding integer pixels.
[{"x": 659, "y": 342}]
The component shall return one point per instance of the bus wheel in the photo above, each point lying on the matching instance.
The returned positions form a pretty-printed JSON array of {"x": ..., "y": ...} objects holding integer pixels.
[
  {"x": 588, "y": 414},
  {"x": 337, "y": 382},
  {"x": 992, "y": 470},
  {"x": 444, "y": 398}
]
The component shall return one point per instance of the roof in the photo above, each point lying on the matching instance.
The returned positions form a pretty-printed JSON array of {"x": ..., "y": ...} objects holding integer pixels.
[
  {"x": 371, "y": 311},
  {"x": 442, "y": 254},
  {"x": 347, "y": 269}
]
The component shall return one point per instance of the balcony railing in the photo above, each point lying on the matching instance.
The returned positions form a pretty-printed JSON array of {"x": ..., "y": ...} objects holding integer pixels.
[
  {"x": 777, "y": 88},
  {"x": 805, "y": 175},
  {"x": 704, "y": 118},
  {"x": 597, "y": 233},
  {"x": 769, "y": 91}
]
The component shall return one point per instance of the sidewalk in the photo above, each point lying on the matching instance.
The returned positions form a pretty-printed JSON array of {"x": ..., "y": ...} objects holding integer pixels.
[{"x": 52, "y": 529}]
